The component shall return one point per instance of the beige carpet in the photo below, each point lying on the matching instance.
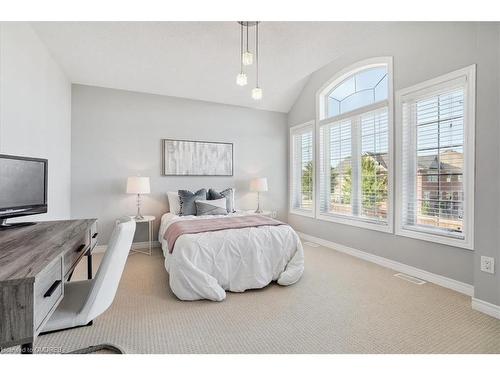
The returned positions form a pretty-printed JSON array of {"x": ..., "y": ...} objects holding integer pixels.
[{"x": 341, "y": 305}]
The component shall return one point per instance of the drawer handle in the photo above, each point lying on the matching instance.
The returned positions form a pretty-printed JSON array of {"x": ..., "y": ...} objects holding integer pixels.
[
  {"x": 80, "y": 248},
  {"x": 95, "y": 235},
  {"x": 52, "y": 288}
]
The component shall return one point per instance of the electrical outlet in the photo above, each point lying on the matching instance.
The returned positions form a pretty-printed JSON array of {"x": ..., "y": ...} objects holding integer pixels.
[
  {"x": 274, "y": 214},
  {"x": 488, "y": 264}
]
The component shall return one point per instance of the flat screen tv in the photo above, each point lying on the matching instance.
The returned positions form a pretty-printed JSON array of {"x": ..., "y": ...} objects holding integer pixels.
[{"x": 23, "y": 188}]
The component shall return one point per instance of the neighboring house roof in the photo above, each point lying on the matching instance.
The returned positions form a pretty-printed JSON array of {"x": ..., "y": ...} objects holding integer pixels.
[
  {"x": 450, "y": 161},
  {"x": 344, "y": 165},
  {"x": 382, "y": 160}
]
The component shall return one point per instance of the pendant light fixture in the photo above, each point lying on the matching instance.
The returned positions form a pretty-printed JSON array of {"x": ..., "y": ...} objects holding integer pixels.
[
  {"x": 241, "y": 78},
  {"x": 257, "y": 91},
  {"x": 247, "y": 57}
]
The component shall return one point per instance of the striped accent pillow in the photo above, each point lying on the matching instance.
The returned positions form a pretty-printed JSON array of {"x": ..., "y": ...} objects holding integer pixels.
[
  {"x": 228, "y": 194},
  {"x": 211, "y": 207}
]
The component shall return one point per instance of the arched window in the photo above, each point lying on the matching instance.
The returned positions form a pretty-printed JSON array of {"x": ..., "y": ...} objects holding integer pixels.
[
  {"x": 355, "y": 146},
  {"x": 359, "y": 90}
]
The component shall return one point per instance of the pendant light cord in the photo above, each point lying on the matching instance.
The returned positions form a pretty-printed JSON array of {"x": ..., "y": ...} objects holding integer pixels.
[
  {"x": 257, "y": 51},
  {"x": 241, "y": 49},
  {"x": 247, "y": 36}
]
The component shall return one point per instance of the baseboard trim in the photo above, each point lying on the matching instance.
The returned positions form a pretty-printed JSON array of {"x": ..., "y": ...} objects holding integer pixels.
[
  {"x": 135, "y": 246},
  {"x": 486, "y": 307},
  {"x": 443, "y": 281}
]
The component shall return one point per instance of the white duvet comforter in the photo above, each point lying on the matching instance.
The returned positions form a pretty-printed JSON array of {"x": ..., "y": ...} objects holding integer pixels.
[{"x": 205, "y": 265}]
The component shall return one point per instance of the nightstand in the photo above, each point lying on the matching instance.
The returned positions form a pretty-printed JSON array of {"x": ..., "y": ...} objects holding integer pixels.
[
  {"x": 149, "y": 220},
  {"x": 263, "y": 213}
]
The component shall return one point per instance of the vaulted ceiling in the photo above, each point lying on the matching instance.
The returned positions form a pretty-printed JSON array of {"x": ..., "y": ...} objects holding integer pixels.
[{"x": 198, "y": 60}]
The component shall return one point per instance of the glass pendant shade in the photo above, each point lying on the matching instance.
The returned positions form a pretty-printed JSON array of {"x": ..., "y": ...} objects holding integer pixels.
[
  {"x": 241, "y": 79},
  {"x": 247, "y": 58},
  {"x": 257, "y": 93}
]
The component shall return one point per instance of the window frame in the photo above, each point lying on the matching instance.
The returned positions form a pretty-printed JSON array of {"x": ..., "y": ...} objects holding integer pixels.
[
  {"x": 322, "y": 120},
  {"x": 431, "y": 86},
  {"x": 294, "y": 130}
]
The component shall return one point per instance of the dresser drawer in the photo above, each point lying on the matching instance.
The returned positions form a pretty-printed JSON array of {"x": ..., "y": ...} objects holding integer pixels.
[
  {"x": 48, "y": 291},
  {"x": 72, "y": 256}
]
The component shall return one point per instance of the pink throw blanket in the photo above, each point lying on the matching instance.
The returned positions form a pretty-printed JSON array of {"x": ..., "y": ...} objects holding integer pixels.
[{"x": 177, "y": 229}]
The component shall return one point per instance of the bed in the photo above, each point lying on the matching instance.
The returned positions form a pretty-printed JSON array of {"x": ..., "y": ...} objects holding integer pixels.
[{"x": 205, "y": 265}]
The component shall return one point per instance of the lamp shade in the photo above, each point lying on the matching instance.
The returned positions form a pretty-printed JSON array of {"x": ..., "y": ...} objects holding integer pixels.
[
  {"x": 258, "y": 184},
  {"x": 138, "y": 185}
]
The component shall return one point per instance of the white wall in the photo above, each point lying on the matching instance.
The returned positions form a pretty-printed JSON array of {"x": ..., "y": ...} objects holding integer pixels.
[
  {"x": 422, "y": 51},
  {"x": 35, "y": 110},
  {"x": 116, "y": 134}
]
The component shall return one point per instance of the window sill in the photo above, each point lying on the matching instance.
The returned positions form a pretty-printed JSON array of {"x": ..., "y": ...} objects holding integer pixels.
[
  {"x": 305, "y": 213},
  {"x": 360, "y": 223},
  {"x": 436, "y": 238}
]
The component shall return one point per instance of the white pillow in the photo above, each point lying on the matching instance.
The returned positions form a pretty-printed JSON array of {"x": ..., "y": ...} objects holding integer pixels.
[{"x": 174, "y": 202}]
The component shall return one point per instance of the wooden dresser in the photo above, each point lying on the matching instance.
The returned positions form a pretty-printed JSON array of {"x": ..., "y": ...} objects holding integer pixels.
[{"x": 35, "y": 261}]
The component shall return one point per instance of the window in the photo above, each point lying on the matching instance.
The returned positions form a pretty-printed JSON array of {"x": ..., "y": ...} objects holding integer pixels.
[
  {"x": 436, "y": 180},
  {"x": 302, "y": 169},
  {"x": 355, "y": 146},
  {"x": 366, "y": 87}
]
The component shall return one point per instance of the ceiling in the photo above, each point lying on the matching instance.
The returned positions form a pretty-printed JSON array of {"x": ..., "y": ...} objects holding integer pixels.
[{"x": 197, "y": 60}]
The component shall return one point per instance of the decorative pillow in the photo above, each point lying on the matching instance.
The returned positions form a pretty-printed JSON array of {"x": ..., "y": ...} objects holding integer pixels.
[
  {"x": 228, "y": 194},
  {"x": 174, "y": 202},
  {"x": 211, "y": 207},
  {"x": 188, "y": 199}
]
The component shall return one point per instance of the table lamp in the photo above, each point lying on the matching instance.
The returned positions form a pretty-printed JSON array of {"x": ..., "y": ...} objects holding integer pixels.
[
  {"x": 138, "y": 185},
  {"x": 259, "y": 185}
]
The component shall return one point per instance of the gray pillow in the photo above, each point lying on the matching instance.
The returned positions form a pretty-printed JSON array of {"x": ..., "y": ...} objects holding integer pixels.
[
  {"x": 228, "y": 194},
  {"x": 188, "y": 199},
  {"x": 212, "y": 207}
]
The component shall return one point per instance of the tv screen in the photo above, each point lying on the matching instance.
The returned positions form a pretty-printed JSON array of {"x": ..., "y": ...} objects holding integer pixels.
[{"x": 23, "y": 182}]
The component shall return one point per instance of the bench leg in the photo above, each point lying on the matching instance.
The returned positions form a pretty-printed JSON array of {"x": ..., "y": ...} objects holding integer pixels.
[
  {"x": 27, "y": 348},
  {"x": 89, "y": 266}
]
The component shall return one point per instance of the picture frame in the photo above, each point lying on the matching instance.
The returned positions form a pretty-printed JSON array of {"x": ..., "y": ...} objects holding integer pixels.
[{"x": 197, "y": 158}]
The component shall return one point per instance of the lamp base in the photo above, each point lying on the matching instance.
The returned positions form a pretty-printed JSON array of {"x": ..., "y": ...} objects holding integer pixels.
[
  {"x": 258, "y": 210},
  {"x": 138, "y": 216}
]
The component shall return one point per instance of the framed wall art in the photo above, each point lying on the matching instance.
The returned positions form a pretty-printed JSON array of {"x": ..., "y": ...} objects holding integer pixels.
[{"x": 196, "y": 158}]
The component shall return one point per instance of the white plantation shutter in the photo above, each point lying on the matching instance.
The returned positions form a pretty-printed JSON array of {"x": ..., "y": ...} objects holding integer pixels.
[
  {"x": 436, "y": 186},
  {"x": 335, "y": 167},
  {"x": 354, "y": 167},
  {"x": 374, "y": 165},
  {"x": 302, "y": 168}
]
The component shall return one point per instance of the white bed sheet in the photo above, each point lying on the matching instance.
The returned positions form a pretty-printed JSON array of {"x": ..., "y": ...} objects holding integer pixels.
[{"x": 206, "y": 265}]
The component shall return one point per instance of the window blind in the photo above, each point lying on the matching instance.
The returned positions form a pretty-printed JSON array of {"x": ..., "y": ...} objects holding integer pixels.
[
  {"x": 354, "y": 164},
  {"x": 335, "y": 156},
  {"x": 302, "y": 169},
  {"x": 374, "y": 165},
  {"x": 433, "y": 194}
]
